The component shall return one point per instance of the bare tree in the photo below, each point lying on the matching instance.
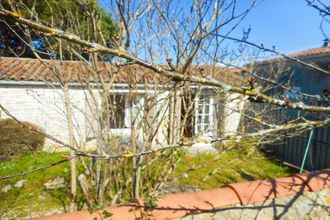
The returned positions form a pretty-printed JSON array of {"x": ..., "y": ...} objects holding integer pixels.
[
  {"x": 323, "y": 8},
  {"x": 171, "y": 54}
]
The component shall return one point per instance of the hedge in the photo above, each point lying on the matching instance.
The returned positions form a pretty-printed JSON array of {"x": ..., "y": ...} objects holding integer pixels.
[{"x": 16, "y": 140}]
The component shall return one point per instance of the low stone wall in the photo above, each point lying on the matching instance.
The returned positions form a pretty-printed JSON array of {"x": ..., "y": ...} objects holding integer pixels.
[
  {"x": 294, "y": 197},
  {"x": 307, "y": 205}
]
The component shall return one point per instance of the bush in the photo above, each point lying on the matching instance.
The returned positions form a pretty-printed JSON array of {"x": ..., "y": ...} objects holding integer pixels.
[{"x": 16, "y": 140}]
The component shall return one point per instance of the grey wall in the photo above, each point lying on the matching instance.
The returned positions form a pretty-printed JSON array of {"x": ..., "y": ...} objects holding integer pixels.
[{"x": 307, "y": 80}]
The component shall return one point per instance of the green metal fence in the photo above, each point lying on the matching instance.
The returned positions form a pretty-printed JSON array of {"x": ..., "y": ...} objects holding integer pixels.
[{"x": 294, "y": 150}]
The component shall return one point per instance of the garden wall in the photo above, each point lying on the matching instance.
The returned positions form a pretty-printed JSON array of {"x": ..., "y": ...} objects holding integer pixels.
[{"x": 294, "y": 197}]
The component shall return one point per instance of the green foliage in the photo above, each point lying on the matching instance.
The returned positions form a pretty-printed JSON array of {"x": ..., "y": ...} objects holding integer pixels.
[
  {"x": 145, "y": 213},
  {"x": 150, "y": 202},
  {"x": 69, "y": 15},
  {"x": 106, "y": 214},
  {"x": 16, "y": 140},
  {"x": 66, "y": 14}
]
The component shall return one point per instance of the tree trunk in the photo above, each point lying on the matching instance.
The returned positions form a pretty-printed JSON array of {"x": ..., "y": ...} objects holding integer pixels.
[{"x": 71, "y": 143}]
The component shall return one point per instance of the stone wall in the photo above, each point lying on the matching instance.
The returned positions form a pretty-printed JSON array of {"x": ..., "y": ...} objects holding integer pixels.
[{"x": 307, "y": 205}]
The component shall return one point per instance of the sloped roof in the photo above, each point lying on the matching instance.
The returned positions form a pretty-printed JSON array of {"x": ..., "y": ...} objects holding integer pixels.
[
  {"x": 28, "y": 69},
  {"x": 308, "y": 56},
  {"x": 305, "y": 54},
  {"x": 311, "y": 52}
]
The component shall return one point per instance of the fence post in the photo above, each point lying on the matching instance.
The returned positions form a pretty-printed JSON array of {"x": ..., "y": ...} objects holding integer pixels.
[{"x": 307, "y": 150}]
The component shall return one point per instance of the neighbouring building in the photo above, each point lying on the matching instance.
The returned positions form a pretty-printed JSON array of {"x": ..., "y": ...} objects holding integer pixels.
[{"x": 300, "y": 79}]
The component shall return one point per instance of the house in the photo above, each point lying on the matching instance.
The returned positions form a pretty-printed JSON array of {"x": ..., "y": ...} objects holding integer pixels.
[
  {"x": 300, "y": 78},
  {"x": 34, "y": 90}
]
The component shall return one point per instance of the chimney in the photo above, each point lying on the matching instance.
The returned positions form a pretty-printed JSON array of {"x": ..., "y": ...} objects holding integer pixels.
[{"x": 326, "y": 42}]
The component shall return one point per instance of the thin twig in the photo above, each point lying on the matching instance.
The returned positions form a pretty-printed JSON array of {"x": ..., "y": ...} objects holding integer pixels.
[
  {"x": 37, "y": 169},
  {"x": 94, "y": 47}
]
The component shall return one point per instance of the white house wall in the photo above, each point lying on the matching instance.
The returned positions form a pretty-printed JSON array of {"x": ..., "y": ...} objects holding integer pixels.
[
  {"x": 234, "y": 105},
  {"x": 45, "y": 107},
  {"x": 162, "y": 120}
]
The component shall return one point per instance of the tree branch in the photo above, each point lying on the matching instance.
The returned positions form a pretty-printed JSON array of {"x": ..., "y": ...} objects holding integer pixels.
[{"x": 174, "y": 76}]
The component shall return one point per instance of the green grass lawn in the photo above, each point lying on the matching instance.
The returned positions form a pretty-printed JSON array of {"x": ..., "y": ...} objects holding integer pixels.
[
  {"x": 237, "y": 165},
  {"x": 241, "y": 164},
  {"x": 33, "y": 197}
]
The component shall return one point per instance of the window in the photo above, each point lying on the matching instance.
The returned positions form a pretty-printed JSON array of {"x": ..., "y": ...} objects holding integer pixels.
[
  {"x": 117, "y": 107},
  {"x": 204, "y": 114},
  {"x": 121, "y": 108}
]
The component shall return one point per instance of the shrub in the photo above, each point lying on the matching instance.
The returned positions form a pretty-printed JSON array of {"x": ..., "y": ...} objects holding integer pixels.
[{"x": 16, "y": 140}]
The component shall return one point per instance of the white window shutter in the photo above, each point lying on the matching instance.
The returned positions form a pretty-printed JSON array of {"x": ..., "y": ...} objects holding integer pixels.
[
  {"x": 138, "y": 109},
  {"x": 211, "y": 114},
  {"x": 127, "y": 113}
]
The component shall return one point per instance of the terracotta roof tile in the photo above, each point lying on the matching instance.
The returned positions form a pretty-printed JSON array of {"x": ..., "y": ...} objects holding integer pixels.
[
  {"x": 74, "y": 71},
  {"x": 305, "y": 54},
  {"x": 312, "y": 52},
  {"x": 27, "y": 69}
]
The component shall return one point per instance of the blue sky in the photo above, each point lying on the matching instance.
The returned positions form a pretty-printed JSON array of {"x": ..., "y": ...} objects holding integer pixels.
[{"x": 290, "y": 25}]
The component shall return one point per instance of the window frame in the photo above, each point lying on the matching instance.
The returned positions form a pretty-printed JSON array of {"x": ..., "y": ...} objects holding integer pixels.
[
  {"x": 203, "y": 118},
  {"x": 138, "y": 109}
]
